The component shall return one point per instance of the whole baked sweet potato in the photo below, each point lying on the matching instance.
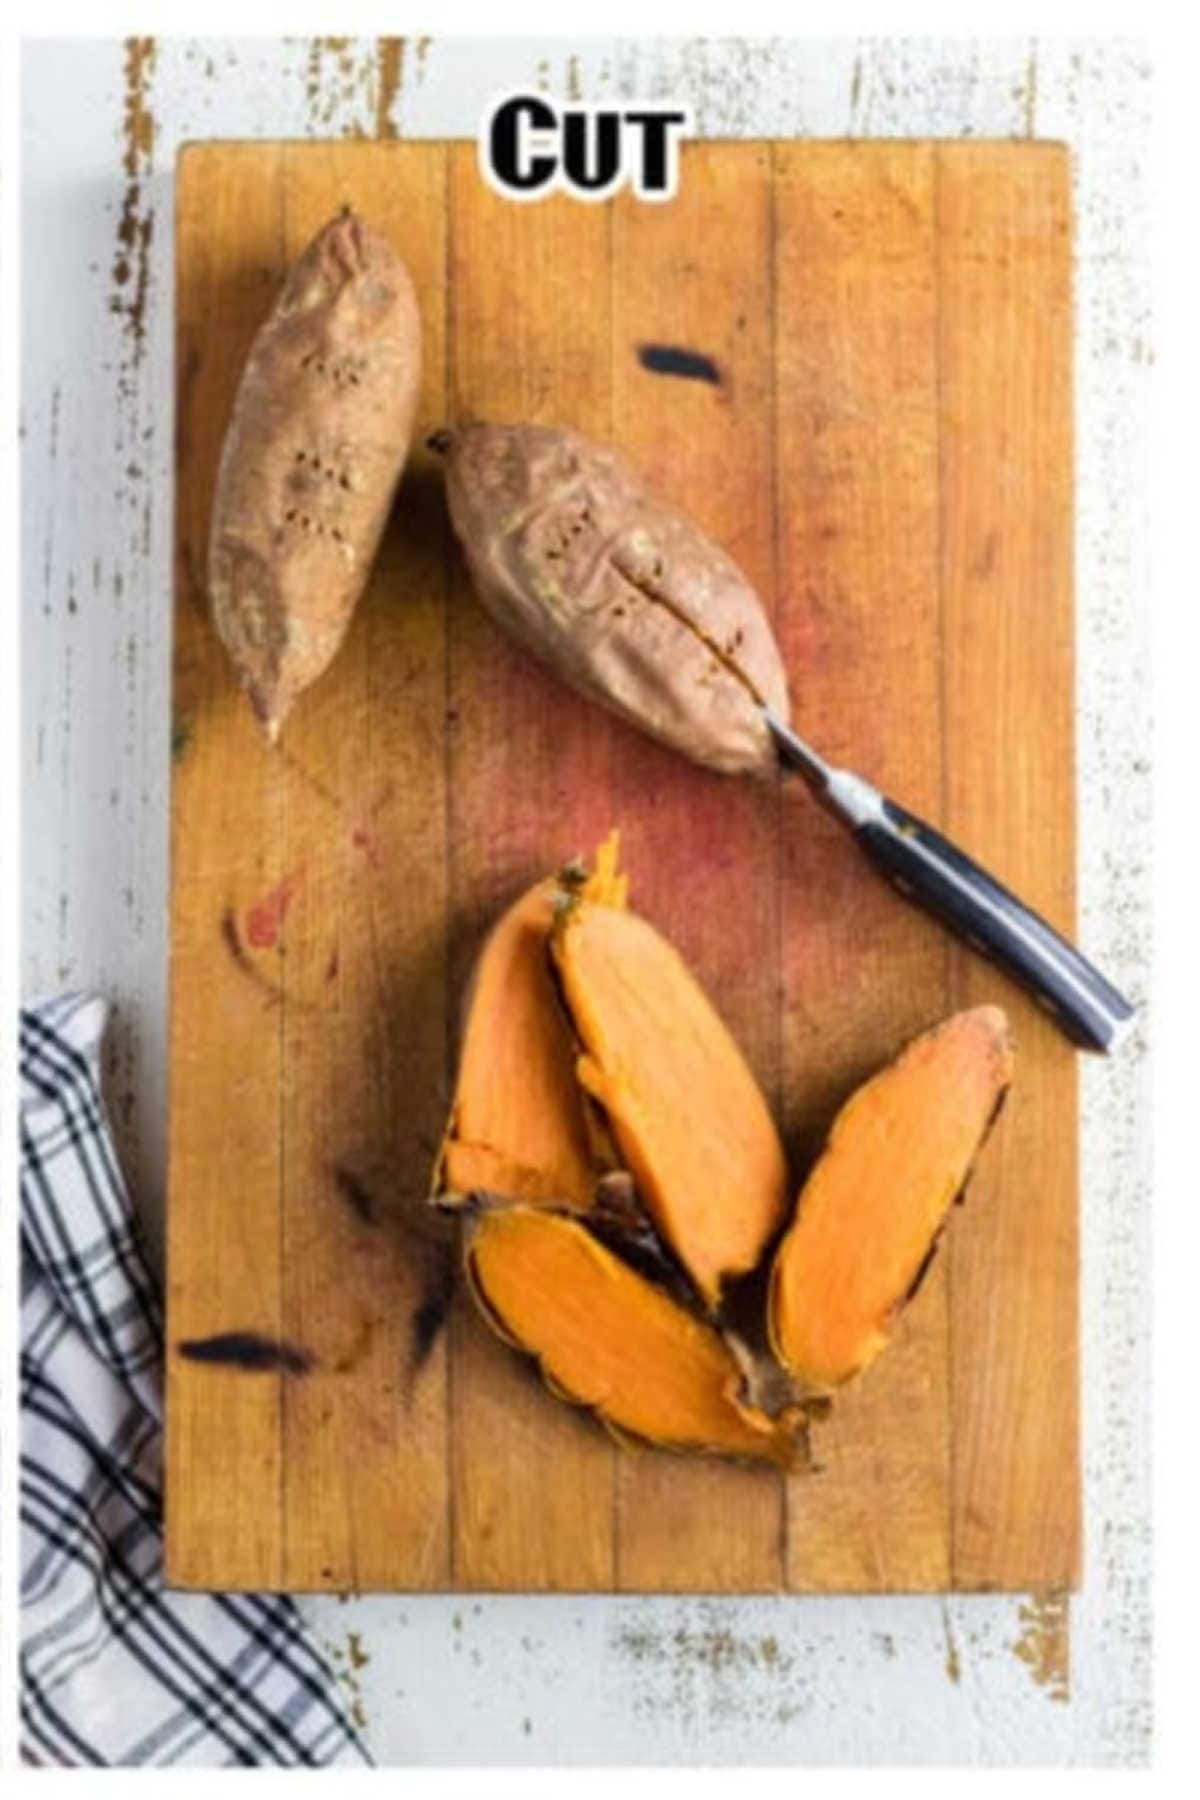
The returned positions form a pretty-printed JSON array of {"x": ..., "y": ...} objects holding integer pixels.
[
  {"x": 312, "y": 456},
  {"x": 623, "y": 596}
]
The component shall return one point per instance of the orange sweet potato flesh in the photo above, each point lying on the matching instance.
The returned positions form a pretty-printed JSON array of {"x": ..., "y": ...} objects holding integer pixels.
[
  {"x": 518, "y": 1126},
  {"x": 870, "y": 1213},
  {"x": 607, "y": 1339},
  {"x": 680, "y": 1100}
]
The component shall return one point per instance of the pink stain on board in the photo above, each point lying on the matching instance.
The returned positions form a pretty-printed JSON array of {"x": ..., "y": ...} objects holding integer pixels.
[
  {"x": 362, "y": 840},
  {"x": 264, "y": 920}
]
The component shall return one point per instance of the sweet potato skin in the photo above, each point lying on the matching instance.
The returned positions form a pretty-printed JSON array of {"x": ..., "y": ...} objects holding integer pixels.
[
  {"x": 311, "y": 459},
  {"x": 625, "y": 598}
]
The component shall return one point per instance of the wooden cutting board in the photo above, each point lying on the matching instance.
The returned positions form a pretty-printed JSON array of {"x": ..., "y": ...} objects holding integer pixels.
[{"x": 886, "y": 448}]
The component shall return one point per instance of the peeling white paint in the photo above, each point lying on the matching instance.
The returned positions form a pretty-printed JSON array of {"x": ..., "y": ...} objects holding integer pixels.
[{"x": 601, "y": 1680}]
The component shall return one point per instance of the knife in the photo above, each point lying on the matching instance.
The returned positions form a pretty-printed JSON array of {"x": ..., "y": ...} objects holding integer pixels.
[{"x": 933, "y": 873}]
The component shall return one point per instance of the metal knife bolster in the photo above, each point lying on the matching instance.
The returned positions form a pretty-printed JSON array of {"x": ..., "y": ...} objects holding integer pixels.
[{"x": 933, "y": 873}]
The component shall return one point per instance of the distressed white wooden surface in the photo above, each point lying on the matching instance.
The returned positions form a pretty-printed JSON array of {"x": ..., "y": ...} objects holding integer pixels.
[{"x": 795, "y": 1680}]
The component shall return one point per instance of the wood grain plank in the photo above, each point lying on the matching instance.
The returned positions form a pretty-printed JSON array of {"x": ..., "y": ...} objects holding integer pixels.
[
  {"x": 857, "y": 411},
  {"x": 364, "y": 981},
  {"x": 224, "y": 1450},
  {"x": 1007, "y": 534},
  {"x": 702, "y": 849},
  {"x": 529, "y": 786},
  {"x": 918, "y": 435}
]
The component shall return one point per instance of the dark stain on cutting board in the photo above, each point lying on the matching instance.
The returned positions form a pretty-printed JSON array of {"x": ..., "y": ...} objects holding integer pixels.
[
  {"x": 673, "y": 359},
  {"x": 430, "y": 1315},
  {"x": 248, "y": 1350},
  {"x": 356, "y": 1194}
]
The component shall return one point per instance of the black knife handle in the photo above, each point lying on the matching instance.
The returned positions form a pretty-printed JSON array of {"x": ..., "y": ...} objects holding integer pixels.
[{"x": 933, "y": 873}]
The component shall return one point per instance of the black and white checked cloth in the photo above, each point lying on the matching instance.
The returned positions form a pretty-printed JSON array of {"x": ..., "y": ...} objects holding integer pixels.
[{"x": 114, "y": 1668}]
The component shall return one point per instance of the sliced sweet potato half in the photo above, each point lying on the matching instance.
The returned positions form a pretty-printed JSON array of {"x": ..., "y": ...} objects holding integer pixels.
[
  {"x": 870, "y": 1213},
  {"x": 607, "y": 1339},
  {"x": 685, "y": 1111},
  {"x": 518, "y": 1123}
]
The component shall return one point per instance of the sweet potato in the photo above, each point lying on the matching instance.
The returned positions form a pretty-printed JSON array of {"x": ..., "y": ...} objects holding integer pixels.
[
  {"x": 614, "y": 1165},
  {"x": 591, "y": 1053},
  {"x": 683, "y": 1106},
  {"x": 518, "y": 1124},
  {"x": 314, "y": 450},
  {"x": 607, "y": 1339},
  {"x": 870, "y": 1214},
  {"x": 625, "y": 598}
]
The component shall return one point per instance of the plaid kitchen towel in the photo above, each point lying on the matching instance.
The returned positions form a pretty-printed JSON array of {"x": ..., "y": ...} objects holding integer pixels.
[{"x": 114, "y": 1668}]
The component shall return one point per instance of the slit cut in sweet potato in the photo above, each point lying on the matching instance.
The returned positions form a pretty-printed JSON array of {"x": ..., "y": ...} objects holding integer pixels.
[
  {"x": 621, "y": 595},
  {"x": 870, "y": 1213},
  {"x": 607, "y": 1339},
  {"x": 686, "y": 1113},
  {"x": 518, "y": 1125}
]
